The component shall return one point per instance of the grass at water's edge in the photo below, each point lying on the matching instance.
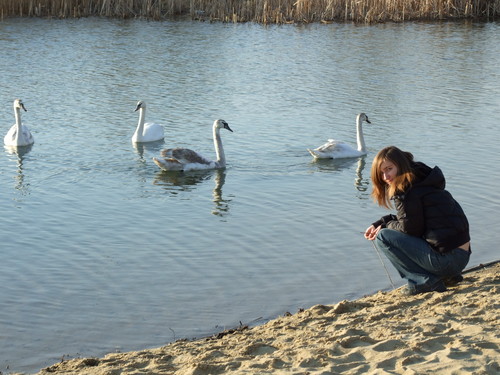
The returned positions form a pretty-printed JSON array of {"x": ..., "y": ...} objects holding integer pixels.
[{"x": 260, "y": 11}]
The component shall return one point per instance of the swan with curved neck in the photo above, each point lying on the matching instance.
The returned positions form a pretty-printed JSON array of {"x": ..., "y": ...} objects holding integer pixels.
[
  {"x": 18, "y": 134},
  {"x": 185, "y": 159},
  {"x": 146, "y": 132},
  {"x": 337, "y": 149}
]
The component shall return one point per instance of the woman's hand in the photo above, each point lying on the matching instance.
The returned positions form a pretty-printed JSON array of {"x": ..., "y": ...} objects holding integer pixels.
[{"x": 371, "y": 232}]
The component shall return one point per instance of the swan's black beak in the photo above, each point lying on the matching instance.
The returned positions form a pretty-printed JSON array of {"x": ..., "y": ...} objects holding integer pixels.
[
  {"x": 368, "y": 121},
  {"x": 22, "y": 106},
  {"x": 226, "y": 126},
  {"x": 137, "y": 108}
]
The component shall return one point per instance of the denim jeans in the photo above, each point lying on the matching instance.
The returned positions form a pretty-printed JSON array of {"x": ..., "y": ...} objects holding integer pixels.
[{"x": 416, "y": 261}]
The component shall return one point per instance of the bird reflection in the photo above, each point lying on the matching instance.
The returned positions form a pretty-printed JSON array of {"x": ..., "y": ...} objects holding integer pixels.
[
  {"x": 19, "y": 152},
  {"x": 179, "y": 181},
  {"x": 151, "y": 147},
  {"x": 333, "y": 165},
  {"x": 360, "y": 182},
  {"x": 175, "y": 181},
  {"x": 221, "y": 205}
]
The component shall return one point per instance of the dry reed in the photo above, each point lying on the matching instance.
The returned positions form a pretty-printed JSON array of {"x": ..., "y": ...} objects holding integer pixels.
[{"x": 262, "y": 11}]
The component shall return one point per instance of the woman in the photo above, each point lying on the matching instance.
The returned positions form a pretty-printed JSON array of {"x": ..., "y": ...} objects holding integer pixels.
[{"x": 428, "y": 239}]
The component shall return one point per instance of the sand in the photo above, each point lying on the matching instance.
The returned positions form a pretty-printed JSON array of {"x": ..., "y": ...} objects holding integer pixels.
[{"x": 455, "y": 332}]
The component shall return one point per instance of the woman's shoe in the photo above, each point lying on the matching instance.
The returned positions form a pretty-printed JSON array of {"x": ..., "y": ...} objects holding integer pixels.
[
  {"x": 453, "y": 280},
  {"x": 412, "y": 289}
]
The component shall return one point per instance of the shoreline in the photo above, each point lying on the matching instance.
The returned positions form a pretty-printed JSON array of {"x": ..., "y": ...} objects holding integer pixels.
[{"x": 449, "y": 332}]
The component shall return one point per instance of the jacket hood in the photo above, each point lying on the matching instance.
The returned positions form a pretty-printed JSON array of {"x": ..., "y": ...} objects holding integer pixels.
[{"x": 427, "y": 176}]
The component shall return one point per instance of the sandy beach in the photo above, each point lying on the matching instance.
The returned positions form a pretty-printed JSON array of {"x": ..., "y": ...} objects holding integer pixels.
[{"x": 454, "y": 332}]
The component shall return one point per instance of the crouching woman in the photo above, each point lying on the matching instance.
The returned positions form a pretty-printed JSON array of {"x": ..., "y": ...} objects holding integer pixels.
[{"x": 428, "y": 240}]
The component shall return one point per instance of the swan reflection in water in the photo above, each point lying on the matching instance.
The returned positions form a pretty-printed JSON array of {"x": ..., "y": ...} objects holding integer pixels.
[
  {"x": 360, "y": 182},
  {"x": 150, "y": 147},
  {"x": 335, "y": 165},
  {"x": 221, "y": 205},
  {"x": 18, "y": 152},
  {"x": 178, "y": 181}
]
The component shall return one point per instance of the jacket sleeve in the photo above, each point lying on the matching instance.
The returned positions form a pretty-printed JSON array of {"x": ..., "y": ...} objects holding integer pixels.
[
  {"x": 384, "y": 221},
  {"x": 410, "y": 215}
]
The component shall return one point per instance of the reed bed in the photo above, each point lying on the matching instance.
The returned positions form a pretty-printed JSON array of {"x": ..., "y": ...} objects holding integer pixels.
[{"x": 261, "y": 11}]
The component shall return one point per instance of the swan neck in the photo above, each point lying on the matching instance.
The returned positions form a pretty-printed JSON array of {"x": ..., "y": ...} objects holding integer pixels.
[
  {"x": 17, "y": 114},
  {"x": 360, "y": 139},
  {"x": 219, "y": 150},
  {"x": 140, "y": 124}
]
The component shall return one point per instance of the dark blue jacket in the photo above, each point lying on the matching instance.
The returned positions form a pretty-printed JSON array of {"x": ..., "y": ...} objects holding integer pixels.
[{"x": 428, "y": 211}]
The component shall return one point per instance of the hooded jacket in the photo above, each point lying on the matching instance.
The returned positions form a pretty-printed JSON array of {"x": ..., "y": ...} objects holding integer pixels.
[{"x": 428, "y": 211}]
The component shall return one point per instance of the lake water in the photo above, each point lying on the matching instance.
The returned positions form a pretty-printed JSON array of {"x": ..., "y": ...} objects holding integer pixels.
[{"x": 103, "y": 252}]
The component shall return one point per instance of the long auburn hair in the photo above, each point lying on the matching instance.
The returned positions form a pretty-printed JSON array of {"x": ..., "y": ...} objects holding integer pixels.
[{"x": 382, "y": 192}]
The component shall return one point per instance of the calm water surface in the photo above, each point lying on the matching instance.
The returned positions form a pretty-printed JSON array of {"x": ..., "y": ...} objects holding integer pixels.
[{"x": 103, "y": 252}]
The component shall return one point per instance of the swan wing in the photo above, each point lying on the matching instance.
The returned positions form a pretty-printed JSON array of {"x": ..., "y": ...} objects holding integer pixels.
[
  {"x": 25, "y": 139},
  {"x": 10, "y": 136},
  {"x": 185, "y": 156},
  {"x": 168, "y": 164},
  {"x": 171, "y": 164},
  {"x": 27, "y": 134},
  {"x": 330, "y": 146},
  {"x": 151, "y": 132},
  {"x": 334, "y": 149}
]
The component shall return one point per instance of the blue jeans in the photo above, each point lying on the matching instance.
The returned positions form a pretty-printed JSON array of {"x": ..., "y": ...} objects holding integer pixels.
[{"x": 416, "y": 261}]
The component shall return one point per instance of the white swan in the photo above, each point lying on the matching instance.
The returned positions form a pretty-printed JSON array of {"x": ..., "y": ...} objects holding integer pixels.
[
  {"x": 18, "y": 134},
  {"x": 337, "y": 149},
  {"x": 184, "y": 159},
  {"x": 146, "y": 132}
]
